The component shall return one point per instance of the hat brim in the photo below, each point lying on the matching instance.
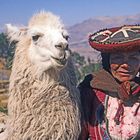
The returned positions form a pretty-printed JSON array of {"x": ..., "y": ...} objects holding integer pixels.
[{"x": 115, "y": 43}]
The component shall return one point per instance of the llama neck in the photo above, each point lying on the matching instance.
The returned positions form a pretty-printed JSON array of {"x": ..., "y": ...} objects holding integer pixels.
[{"x": 65, "y": 77}]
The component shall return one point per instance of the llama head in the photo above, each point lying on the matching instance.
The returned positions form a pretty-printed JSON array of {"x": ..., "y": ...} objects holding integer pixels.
[{"x": 48, "y": 41}]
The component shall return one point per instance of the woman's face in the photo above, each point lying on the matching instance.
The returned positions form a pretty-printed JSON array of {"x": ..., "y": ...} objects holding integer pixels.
[{"x": 125, "y": 66}]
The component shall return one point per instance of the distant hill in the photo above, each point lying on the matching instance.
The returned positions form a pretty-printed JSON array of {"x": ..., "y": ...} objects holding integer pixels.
[{"x": 79, "y": 32}]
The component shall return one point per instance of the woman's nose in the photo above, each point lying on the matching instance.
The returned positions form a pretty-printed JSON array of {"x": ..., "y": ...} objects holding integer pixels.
[{"x": 124, "y": 65}]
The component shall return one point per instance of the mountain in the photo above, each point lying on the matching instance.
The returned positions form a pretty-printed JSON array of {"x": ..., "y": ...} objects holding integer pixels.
[{"x": 79, "y": 32}]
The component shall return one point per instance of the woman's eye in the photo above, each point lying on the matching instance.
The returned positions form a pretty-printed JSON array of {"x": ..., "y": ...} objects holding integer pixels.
[
  {"x": 35, "y": 37},
  {"x": 134, "y": 58}
]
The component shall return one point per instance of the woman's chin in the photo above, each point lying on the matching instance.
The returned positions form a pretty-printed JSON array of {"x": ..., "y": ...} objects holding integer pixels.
[{"x": 124, "y": 78}]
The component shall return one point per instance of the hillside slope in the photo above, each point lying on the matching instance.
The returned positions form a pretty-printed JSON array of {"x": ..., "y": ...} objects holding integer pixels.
[{"x": 79, "y": 32}]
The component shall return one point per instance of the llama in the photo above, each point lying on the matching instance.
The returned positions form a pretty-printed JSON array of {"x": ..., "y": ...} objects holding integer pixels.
[{"x": 43, "y": 101}]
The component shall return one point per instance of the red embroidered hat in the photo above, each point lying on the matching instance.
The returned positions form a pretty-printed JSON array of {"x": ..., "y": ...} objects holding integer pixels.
[{"x": 119, "y": 39}]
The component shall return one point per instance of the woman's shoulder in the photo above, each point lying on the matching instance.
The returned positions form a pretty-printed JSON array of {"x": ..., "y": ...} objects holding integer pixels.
[
  {"x": 86, "y": 82},
  {"x": 88, "y": 79},
  {"x": 87, "y": 91}
]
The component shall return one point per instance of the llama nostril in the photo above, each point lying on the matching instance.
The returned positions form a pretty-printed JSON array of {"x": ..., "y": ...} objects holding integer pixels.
[
  {"x": 58, "y": 46},
  {"x": 62, "y": 46}
]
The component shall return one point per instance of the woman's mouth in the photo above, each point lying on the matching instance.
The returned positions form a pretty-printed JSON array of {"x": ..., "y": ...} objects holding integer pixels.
[{"x": 122, "y": 73}]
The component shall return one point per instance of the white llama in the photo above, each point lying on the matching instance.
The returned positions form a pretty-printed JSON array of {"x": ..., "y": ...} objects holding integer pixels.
[{"x": 44, "y": 102}]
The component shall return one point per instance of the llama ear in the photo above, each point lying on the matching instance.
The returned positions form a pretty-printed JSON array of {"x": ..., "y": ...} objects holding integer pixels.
[{"x": 14, "y": 33}]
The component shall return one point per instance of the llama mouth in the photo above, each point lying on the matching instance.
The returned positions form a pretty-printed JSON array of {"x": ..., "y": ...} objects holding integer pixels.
[{"x": 60, "y": 61}]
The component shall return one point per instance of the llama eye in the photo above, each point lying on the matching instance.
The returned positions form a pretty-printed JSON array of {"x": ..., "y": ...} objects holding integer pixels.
[
  {"x": 35, "y": 37},
  {"x": 66, "y": 37}
]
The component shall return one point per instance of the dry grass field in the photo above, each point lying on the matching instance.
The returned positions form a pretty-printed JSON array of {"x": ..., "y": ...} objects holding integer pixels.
[
  {"x": 3, "y": 102},
  {"x": 4, "y": 85},
  {"x": 3, "y": 93}
]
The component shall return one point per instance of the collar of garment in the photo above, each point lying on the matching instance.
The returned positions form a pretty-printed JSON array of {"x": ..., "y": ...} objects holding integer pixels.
[{"x": 104, "y": 81}]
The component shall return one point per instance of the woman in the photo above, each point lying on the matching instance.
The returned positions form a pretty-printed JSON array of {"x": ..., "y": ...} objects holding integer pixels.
[{"x": 111, "y": 97}]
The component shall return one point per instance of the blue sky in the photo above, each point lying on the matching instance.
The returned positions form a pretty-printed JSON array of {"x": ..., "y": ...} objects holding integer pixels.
[{"x": 70, "y": 11}]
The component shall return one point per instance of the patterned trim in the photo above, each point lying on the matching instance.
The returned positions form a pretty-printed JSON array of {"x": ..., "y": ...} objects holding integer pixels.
[
  {"x": 106, "y": 120},
  {"x": 107, "y": 124}
]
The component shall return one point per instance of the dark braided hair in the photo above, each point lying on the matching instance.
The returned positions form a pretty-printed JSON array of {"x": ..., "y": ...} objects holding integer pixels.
[{"x": 105, "y": 61}]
